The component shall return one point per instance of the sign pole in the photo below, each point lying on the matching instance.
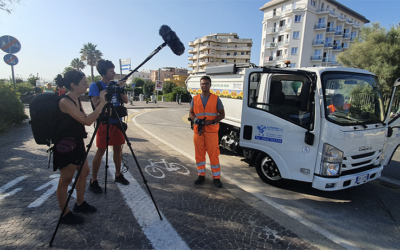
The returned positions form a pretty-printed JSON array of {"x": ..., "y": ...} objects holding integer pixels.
[
  {"x": 120, "y": 67},
  {"x": 12, "y": 71}
]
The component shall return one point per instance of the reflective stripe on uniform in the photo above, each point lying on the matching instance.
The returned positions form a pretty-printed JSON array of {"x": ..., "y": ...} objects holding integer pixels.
[
  {"x": 206, "y": 114},
  {"x": 201, "y": 163},
  {"x": 215, "y": 166},
  {"x": 215, "y": 174},
  {"x": 201, "y": 170}
]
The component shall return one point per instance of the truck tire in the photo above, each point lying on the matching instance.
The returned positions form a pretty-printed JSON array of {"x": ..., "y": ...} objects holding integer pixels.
[{"x": 268, "y": 171}]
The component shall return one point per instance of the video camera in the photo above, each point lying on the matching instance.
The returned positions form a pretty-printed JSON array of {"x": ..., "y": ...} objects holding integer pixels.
[{"x": 113, "y": 88}]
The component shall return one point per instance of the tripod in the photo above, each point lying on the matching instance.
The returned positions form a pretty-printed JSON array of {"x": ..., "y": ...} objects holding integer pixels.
[{"x": 108, "y": 107}]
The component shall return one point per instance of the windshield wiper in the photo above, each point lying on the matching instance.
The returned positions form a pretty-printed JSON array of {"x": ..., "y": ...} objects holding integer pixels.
[{"x": 344, "y": 117}]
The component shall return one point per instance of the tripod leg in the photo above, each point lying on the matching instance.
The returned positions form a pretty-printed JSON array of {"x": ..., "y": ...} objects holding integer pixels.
[
  {"x": 109, "y": 105},
  {"x": 136, "y": 161},
  {"x": 74, "y": 184}
]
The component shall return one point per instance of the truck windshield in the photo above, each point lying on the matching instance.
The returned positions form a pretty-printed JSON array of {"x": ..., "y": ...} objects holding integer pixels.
[{"x": 352, "y": 99}]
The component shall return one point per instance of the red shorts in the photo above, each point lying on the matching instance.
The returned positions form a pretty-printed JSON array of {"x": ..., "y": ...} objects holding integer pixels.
[{"x": 115, "y": 134}]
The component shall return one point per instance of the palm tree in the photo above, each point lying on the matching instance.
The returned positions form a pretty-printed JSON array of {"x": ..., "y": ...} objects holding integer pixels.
[
  {"x": 77, "y": 64},
  {"x": 91, "y": 55}
]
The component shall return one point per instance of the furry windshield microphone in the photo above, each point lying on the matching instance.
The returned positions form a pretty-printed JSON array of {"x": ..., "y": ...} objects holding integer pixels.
[{"x": 172, "y": 40}]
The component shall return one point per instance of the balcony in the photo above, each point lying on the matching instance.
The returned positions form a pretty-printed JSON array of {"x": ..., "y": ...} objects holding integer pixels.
[
  {"x": 287, "y": 11},
  {"x": 316, "y": 42},
  {"x": 330, "y": 30},
  {"x": 341, "y": 18},
  {"x": 316, "y": 58},
  {"x": 333, "y": 14},
  {"x": 272, "y": 30},
  {"x": 318, "y": 26},
  {"x": 349, "y": 22},
  {"x": 273, "y": 16},
  {"x": 326, "y": 60},
  {"x": 280, "y": 29},
  {"x": 346, "y": 36},
  {"x": 300, "y": 7},
  {"x": 269, "y": 59},
  {"x": 190, "y": 65},
  {"x": 207, "y": 47},
  {"x": 338, "y": 33},
  {"x": 356, "y": 26},
  {"x": 322, "y": 11},
  {"x": 336, "y": 63},
  {"x": 286, "y": 43},
  {"x": 328, "y": 45},
  {"x": 352, "y": 38},
  {"x": 270, "y": 45},
  {"x": 337, "y": 47},
  {"x": 288, "y": 26}
]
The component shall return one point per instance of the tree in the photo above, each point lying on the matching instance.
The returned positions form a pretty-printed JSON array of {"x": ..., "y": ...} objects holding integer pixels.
[
  {"x": 5, "y": 5},
  {"x": 77, "y": 64},
  {"x": 66, "y": 69},
  {"x": 148, "y": 87},
  {"x": 96, "y": 78},
  {"x": 11, "y": 108},
  {"x": 139, "y": 82},
  {"x": 168, "y": 87},
  {"x": 32, "y": 79},
  {"x": 24, "y": 87},
  {"x": 378, "y": 51},
  {"x": 91, "y": 55}
]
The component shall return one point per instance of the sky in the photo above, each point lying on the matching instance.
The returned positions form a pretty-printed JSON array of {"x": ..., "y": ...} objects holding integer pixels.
[{"x": 52, "y": 32}]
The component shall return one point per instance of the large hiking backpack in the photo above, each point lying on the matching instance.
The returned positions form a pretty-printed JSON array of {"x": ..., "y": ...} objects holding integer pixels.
[{"x": 43, "y": 112}]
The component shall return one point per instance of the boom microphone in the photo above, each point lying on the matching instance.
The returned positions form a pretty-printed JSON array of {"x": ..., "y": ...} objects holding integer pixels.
[{"x": 172, "y": 40}]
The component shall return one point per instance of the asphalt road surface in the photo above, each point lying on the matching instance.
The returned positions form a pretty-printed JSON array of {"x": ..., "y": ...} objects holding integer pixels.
[{"x": 364, "y": 217}]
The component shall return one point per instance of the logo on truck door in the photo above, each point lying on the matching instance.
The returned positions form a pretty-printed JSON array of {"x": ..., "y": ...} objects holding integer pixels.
[
  {"x": 363, "y": 148},
  {"x": 269, "y": 133}
]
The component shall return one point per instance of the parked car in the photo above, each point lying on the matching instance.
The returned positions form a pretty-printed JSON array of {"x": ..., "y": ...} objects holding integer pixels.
[{"x": 28, "y": 97}]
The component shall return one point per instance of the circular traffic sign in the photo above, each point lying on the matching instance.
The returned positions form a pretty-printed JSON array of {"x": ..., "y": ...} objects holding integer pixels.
[
  {"x": 11, "y": 59},
  {"x": 10, "y": 44}
]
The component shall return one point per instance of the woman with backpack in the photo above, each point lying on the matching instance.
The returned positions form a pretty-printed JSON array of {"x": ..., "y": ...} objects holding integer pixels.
[{"x": 69, "y": 149}]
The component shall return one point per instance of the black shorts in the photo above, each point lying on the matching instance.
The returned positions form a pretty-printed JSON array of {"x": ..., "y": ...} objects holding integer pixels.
[{"x": 75, "y": 157}]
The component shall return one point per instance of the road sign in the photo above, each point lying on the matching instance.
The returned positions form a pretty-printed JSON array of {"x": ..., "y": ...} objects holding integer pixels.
[
  {"x": 159, "y": 85},
  {"x": 10, "y": 44},
  {"x": 10, "y": 59},
  {"x": 126, "y": 64}
]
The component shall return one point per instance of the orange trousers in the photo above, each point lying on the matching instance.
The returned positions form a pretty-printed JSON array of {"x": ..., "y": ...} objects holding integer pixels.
[{"x": 207, "y": 142}]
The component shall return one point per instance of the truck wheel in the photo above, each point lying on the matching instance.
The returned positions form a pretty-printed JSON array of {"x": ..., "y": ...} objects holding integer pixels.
[{"x": 269, "y": 171}]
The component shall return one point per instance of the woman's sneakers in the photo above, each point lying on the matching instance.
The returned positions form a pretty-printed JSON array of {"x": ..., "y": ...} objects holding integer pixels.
[
  {"x": 71, "y": 219},
  {"x": 84, "y": 208}
]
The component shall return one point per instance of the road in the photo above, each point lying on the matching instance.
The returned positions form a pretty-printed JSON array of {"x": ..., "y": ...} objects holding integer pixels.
[{"x": 364, "y": 217}]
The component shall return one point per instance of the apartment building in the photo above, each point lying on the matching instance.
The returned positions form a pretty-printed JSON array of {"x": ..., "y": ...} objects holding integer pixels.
[
  {"x": 179, "y": 80},
  {"x": 307, "y": 32},
  {"x": 218, "y": 49},
  {"x": 168, "y": 73},
  {"x": 144, "y": 74}
]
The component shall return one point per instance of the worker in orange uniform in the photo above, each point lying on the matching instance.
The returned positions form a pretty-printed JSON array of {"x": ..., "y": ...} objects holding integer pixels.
[
  {"x": 338, "y": 104},
  {"x": 206, "y": 111}
]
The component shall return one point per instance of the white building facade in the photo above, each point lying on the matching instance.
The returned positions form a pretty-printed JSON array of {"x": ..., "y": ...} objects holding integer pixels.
[
  {"x": 307, "y": 32},
  {"x": 144, "y": 74},
  {"x": 218, "y": 49}
]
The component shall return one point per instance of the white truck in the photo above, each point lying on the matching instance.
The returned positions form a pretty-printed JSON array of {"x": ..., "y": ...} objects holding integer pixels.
[{"x": 285, "y": 123}]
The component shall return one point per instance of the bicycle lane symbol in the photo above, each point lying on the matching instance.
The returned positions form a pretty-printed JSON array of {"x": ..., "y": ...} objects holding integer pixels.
[{"x": 155, "y": 169}]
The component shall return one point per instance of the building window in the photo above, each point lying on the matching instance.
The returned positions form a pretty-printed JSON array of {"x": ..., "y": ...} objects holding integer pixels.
[
  {"x": 223, "y": 60},
  {"x": 234, "y": 53},
  {"x": 242, "y": 53},
  {"x": 313, "y": 3},
  {"x": 293, "y": 65},
  {"x": 228, "y": 54},
  {"x": 296, "y": 34},
  {"x": 297, "y": 18},
  {"x": 294, "y": 51}
]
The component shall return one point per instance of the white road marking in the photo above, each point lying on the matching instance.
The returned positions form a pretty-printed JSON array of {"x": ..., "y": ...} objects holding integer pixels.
[
  {"x": 390, "y": 180},
  {"x": 9, "y": 185},
  {"x": 160, "y": 232},
  {"x": 250, "y": 190}
]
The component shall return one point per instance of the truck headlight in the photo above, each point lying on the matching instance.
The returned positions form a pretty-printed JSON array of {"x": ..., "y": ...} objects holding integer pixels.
[{"x": 331, "y": 161}]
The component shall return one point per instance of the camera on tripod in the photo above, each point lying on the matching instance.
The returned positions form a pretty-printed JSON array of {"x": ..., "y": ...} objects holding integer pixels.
[{"x": 113, "y": 88}]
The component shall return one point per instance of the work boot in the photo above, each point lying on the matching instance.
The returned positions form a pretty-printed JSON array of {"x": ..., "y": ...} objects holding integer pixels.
[
  {"x": 84, "y": 208},
  {"x": 217, "y": 183},
  {"x": 200, "y": 180},
  {"x": 71, "y": 219}
]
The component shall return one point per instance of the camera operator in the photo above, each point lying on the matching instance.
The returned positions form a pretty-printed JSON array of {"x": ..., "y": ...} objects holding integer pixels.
[{"x": 116, "y": 137}]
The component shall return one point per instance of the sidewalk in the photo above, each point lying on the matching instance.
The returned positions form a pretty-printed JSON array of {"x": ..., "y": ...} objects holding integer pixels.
[{"x": 203, "y": 217}]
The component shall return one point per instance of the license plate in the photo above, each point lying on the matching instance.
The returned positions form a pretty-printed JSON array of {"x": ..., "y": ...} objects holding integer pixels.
[{"x": 362, "y": 179}]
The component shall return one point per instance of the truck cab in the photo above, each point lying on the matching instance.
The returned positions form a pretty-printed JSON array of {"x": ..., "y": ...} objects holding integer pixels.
[{"x": 327, "y": 126}]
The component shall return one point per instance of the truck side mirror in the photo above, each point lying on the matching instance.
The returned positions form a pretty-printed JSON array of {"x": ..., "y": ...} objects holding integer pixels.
[
  {"x": 390, "y": 132},
  {"x": 309, "y": 138}
]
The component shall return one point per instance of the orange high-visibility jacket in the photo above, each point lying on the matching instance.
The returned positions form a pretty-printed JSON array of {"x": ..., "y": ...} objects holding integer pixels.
[
  {"x": 333, "y": 109},
  {"x": 210, "y": 112}
]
